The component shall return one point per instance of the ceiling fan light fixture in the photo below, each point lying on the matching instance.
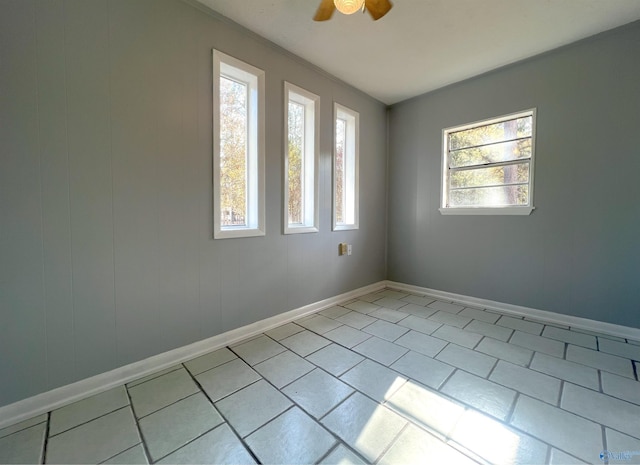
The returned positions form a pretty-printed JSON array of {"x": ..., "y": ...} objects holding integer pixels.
[{"x": 348, "y": 7}]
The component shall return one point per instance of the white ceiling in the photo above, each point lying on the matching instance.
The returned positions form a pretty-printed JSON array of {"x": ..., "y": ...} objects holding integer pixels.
[{"x": 421, "y": 45}]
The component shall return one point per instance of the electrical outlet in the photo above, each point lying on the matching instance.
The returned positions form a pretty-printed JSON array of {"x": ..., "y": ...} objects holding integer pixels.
[
  {"x": 342, "y": 248},
  {"x": 349, "y": 249}
]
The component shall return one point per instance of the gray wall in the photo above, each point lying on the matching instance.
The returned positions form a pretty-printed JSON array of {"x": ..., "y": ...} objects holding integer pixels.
[
  {"x": 106, "y": 249},
  {"x": 578, "y": 253}
]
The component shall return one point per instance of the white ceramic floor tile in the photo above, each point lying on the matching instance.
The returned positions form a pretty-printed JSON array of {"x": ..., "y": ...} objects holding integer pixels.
[
  {"x": 418, "y": 300},
  {"x": 609, "y": 411},
  {"x": 216, "y": 447},
  {"x": 252, "y": 407},
  {"x": 258, "y": 350},
  {"x": 227, "y": 379},
  {"x": 284, "y": 368},
  {"x": 385, "y": 330},
  {"x": 563, "y": 369},
  {"x": 174, "y": 426},
  {"x": 394, "y": 294},
  {"x": 23, "y": 425},
  {"x": 521, "y": 325},
  {"x": 381, "y": 351},
  {"x": 446, "y": 306},
  {"x": 419, "y": 324},
  {"x": 391, "y": 303},
  {"x": 284, "y": 331},
  {"x": 458, "y": 336},
  {"x": 87, "y": 409},
  {"x": 418, "y": 342},
  {"x": 364, "y": 425},
  {"x": 157, "y": 374},
  {"x": 306, "y": 342},
  {"x": 423, "y": 369},
  {"x": 467, "y": 359},
  {"x": 538, "y": 343},
  {"x": 558, "y": 428},
  {"x": 209, "y": 361},
  {"x": 480, "y": 315},
  {"x": 356, "y": 320},
  {"x": 527, "y": 381},
  {"x": 579, "y": 339},
  {"x": 504, "y": 351},
  {"x": 135, "y": 455},
  {"x": 335, "y": 359},
  {"x": 620, "y": 387},
  {"x": 371, "y": 297},
  {"x": 418, "y": 310},
  {"x": 361, "y": 306},
  {"x": 342, "y": 456},
  {"x": 293, "y": 437},
  {"x": 484, "y": 395},
  {"x": 450, "y": 319},
  {"x": 622, "y": 448},
  {"x": 426, "y": 407},
  {"x": 95, "y": 441},
  {"x": 493, "y": 441},
  {"x": 621, "y": 349},
  {"x": 347, "y": 336},
  {"x": 374, "y": 380},
  {"x": 392, "y": 316},
  {"x": 562, "y": 458},
  {"x": 415, "y": 446},
  {"x": 605, "y": 362},
  {"x": 334, "y": 312},
  {"x": 318, "y": 392},
  {"x": 486, "y": 329},
  {"x": 24, "y": 446},
  {"x": 319, "y": 324},
  {"x": 162, "y": 391}
]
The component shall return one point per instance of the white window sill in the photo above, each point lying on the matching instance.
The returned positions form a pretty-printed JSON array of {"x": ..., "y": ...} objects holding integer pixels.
[
  {"x": 345, "y": 227},
  {"x": 239, "y": 232},
  {"x": 300, "y": 229},
  {"x": 487, "y": 211}
]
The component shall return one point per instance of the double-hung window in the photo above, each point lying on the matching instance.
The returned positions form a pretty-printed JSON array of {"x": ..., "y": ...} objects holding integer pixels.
[
  {"x": 345, "y": 168},
  {"x": 487, "y": 167},
  {"x": 301, "y": 125},
  {"x": 238, "y": 148}
]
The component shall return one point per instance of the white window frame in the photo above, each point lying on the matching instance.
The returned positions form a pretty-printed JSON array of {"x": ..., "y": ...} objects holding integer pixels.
[
  {"x": 254, "y": 78},
  {"x": 351, "y": 196},
  {"x": 486, "y": 210},
  {"x": 311, "y": 105}
]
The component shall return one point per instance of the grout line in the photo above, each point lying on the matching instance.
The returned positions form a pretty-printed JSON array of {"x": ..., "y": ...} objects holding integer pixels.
[
  {"x": 136, "y": 420},
  {"x": 634, "y": 364},
  {"x": 560, "y": 392},
  {"x": 512, "y": 408},
  {"x": 392, "y": 442},
  {"x": 90, "y": 420},
  {"x": 600, "y": 389},
  {"x": 604, "y": 443},
  {"x": 45, "y": 446}
]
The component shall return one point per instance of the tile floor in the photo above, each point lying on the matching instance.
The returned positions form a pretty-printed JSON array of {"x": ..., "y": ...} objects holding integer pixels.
[{"x": 388, "y": 378}]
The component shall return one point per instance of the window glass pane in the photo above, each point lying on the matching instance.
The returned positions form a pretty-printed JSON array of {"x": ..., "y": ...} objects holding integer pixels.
[
  {"x": 490, "y": 196},
  {"x": 491, "y": 176},
  {"x": 233, "y": 152},
  {"x": 491, "y": 133},
  {"x": 296, "y": 163},
  {"x": 503, "y": 151},
  {"x": 340, "y": 175}
]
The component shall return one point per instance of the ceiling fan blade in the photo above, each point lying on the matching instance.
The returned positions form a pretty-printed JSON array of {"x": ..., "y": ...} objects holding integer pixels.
[
  {"x": 325, "y": 10},
  {"x": 378, "y": 8}
]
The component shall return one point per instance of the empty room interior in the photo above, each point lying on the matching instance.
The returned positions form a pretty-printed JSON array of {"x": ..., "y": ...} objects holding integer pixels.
[{"x": 290, "y": 232}]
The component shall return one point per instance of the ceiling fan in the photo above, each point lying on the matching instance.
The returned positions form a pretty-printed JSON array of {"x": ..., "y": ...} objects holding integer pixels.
[{"x": 376, "y": 8}]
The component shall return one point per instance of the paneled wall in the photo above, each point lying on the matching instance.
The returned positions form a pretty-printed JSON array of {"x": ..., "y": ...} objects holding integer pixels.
[
  {"x": 106, "y": 249},
  {"x": 578, "y": 253}
]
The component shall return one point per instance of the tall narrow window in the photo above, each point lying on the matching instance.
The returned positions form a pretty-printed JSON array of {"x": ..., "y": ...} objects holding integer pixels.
[
  {"x": 345, "y": 168},
  {"x": 301, "y": 160},
  {"x": 238, "y": 148}
]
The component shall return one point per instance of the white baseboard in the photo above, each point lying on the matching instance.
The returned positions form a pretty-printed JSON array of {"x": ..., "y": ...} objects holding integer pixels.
[
  {"x": 59, "y": 397},
  {"x": 552, "y": 317}
]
